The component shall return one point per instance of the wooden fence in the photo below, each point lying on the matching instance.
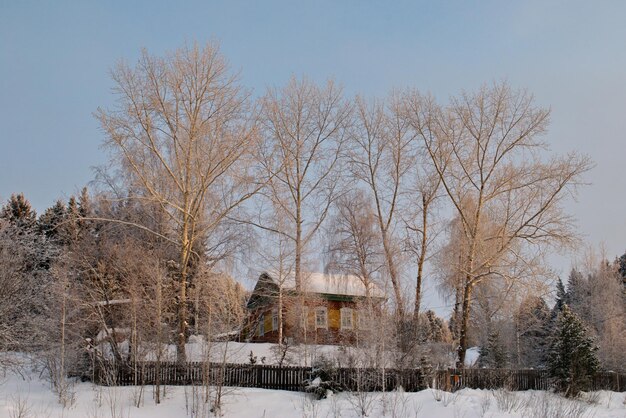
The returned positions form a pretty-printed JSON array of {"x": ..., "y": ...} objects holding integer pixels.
[
  {"x": 351, "y": 379},
  {"x": 512, "y": 379},
  {"x": 524, "y": 379},
  {"x": 199, "y": 373}
]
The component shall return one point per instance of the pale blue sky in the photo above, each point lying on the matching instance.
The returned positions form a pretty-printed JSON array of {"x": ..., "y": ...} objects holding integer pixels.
[{"x": 55, "y": 57}]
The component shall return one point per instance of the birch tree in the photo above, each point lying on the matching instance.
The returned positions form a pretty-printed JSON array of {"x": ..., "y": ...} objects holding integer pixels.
[
  {"x": 486, "y": 148},
  {"x": 354, "y": 247},
  {"x": 381, "y": 157},
  {"x": 304, "y": 130},
  {"x": 420, "y": 223},
  {"x": 181, "y": 132}
]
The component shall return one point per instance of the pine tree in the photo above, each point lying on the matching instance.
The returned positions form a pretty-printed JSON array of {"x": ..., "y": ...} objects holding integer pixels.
[{"x": 572, "y": 360}]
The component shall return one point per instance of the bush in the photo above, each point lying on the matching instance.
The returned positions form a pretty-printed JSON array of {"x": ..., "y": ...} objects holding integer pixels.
[{"x": 322, "y": 379}]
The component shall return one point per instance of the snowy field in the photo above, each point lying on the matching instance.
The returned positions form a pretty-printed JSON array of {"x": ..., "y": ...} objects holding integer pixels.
[{"x": 27, "y": 395}]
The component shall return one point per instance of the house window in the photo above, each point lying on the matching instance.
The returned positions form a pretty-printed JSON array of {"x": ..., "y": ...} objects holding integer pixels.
[
  {"x": 261, "y": 325},
  {"x": 304, "y": 318},
  {"x": 321, "y": 318},
  {"x": 363, "y": 320},
  {"x": 274, "y": 320},
  {"x": 347, "y": 318}
]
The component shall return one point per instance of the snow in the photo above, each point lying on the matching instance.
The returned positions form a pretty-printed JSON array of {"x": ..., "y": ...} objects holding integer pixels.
[
  {"x": 334, "y": 284},
  {"x": 265, "y": 353},
  {"x": 471, "y": 356},
  {"x": 197, "y": 349},
  {"x": 96, "y": 401}
]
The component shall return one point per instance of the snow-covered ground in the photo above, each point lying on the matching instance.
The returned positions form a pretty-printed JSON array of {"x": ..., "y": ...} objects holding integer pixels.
[
  {"x": 234, "y": 352},
  {"x": 266, "y": 353},
  {"x": 32, "y": 396},
  {"x": 302, "y": 355}
]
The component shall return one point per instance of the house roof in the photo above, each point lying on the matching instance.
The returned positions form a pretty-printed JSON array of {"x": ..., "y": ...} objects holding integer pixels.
[{"x": 330, "y": 284}]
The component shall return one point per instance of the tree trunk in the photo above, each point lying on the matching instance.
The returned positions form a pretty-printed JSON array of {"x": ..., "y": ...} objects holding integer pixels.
[
  {"x": 393, "y": 274},
  {"x": 280, "y": 315},
  {"x": 467, "y": 298},
  {"x": 420, "y": 263},
  {"x": 181, "y": 355}
]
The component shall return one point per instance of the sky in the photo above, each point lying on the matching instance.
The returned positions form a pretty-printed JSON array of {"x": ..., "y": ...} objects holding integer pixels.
[{"x": 56, "y": 56}]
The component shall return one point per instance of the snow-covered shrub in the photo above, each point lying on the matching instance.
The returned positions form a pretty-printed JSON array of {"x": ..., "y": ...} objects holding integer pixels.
[{"x": 322, "y": 379}]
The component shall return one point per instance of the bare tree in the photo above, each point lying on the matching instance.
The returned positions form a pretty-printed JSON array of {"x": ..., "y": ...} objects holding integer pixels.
[
  {"x": 485, "y": 147},
  {"x": 354, "y": 248},
  {"x": 531, "y": 332},
  {"x": 354, "y": 245},
  {"x": 182, "y": 133},
  {"x": 278, "y": 255},
  {"x": 419, "y": 223},
  {"x": 595, "y": 294},
  {"x": 305, "y": 127},
  {"x": 222, "y": 313},
  {"x": 381, "y": 156}
]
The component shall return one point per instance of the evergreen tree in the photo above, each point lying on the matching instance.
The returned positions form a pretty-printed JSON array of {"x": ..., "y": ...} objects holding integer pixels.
[
  {"x": 493, "y": 354},
  {"x": 50, "y": 221},
  {"x": 561, "y": 298},
  {"x": 25, "y": 281},
  {"x": 577, "y": 297},
  {"x": 84, "y": 203},
  {"x": 575, "y": 287},
  {"x": 72, "y": 225},
  {"x": 621, "y": 265},
  {"x": 19, "y": 212},
  {"x": 85, "y": 210},
  {"x": 572, "y": 360},
  {"x": 621, "y": 268},
  {"x": 436, "y": 328}
]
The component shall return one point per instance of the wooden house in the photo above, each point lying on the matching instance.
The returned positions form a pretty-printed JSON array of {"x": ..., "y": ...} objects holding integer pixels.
[{"x": 331, "y": 308}]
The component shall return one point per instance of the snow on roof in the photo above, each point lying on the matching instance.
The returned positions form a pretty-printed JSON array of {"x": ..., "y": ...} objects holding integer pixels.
[{"x": 332, "y": 284}]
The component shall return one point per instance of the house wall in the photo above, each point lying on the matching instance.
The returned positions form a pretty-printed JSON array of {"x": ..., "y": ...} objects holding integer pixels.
[{"x": 333, "y": 334}]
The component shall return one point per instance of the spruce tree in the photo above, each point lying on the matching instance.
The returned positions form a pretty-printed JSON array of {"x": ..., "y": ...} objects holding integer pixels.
[
  {"x": 51, "y": 219},
  {"x": 621, "y": 268},
  {"x": 72, "y": 225},
  {"x": 492, "y": 355},
  {"x": 577, "y": 297},
  {"x": 561, "y": 299},
  {"x": 19, "y": 213},
  {"x": 572, "y": 360},
  {"x": 436, "y": 328}
]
